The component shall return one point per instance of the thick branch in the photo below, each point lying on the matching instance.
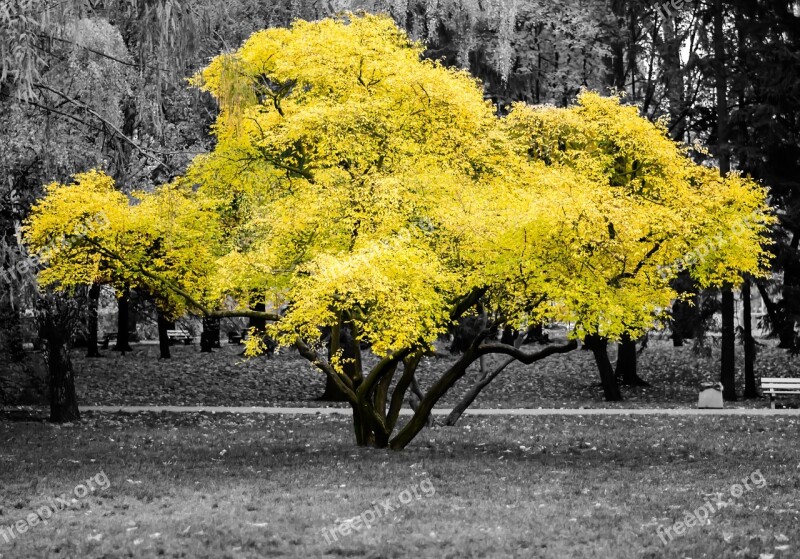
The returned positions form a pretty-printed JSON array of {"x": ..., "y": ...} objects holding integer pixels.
[
  {"x": 527, "y": 358},
  {"x": 399, "y": 393}
]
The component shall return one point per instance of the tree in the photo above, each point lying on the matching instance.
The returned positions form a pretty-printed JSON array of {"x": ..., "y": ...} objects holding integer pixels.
[
  {"x": 362, "y": 187},
  {"x": 750, "y": 388},
  {"x": 728, "y": 360},
  {"x": 57, "y": 318}
]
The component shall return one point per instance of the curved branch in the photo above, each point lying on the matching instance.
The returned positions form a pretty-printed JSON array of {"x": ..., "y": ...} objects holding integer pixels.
[
  {"x": 310, "y": 355},
  {"x": 526, "y": 358}
]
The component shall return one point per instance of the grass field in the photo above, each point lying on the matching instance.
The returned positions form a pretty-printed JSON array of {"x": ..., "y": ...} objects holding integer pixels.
[{"x": 196, "y": 485}]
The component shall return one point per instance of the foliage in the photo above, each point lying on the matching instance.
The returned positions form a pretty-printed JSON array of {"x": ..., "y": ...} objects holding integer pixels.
[{"x": 82, "y": 230}]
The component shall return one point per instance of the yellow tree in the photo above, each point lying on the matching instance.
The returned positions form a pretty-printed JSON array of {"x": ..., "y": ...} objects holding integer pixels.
[{"x": 359, "y": 187}]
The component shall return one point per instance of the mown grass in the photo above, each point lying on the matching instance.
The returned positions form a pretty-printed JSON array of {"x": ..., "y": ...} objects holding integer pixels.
[{"x": 197, "y": 485}]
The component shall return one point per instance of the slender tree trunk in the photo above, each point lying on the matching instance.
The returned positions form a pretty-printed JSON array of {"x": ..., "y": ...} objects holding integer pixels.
[
  {"x": 779, "y": 325},
  {"x": 669, "y": 49},
  {"x": 63, "y": 400},
  {"x": 415, "y": 399},
  {"x": 123, "y": 319},
  {"x": 728, "y": 360},
  {"x": 92, "y": 349},
  {"x": 791, "y": 293},
  {"x": 599, "y": 348},
  {"x": 212, "y": 326},
  {"x": 11, "y": 333},
  {"x": 163, "y": 337},
  {"x": 207, "y": 336},
  {"x": 750, "y": 389},
  {"x": 616, "y": 76},
  {"x": 627, "y": 371},
  {"x": 350, "y": 351}
]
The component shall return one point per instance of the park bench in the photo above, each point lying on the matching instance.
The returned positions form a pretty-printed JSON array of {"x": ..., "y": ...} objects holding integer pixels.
[
  {"x": 779, "y": 387},
  {"x": 109, "y": 337},
  {"x": 235, "y": 337},
  {"x": 179, "y": 336}
]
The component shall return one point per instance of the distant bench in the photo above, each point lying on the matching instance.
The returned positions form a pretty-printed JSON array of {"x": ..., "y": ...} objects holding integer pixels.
[
  {"x": 235, "y": 337},
  {"x": 779, "y": 387},
  {"x": 179, "y": 336},
  {"x": 112, "y": 337}
]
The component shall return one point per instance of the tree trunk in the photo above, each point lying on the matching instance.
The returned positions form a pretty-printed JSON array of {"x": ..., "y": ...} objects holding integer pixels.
[
  {"x": 209, "y": 334},
  {"x": 92, "y": 349},
  {"x": 791, "y": 292},
  {"x": 616, "y": 77},
  {"x": 535, "y": 334},
  {"x": 350, "y": 352},
  {"x": 728, "y": 360},
  {"x": 750, "y": 389},
  {"x": 777, "y": 319},
  {"x": 11, "y": 333},
  {"x": 63, "y": 400},
  {"x": 599, "y": 348},
  {"x": 626, "y": 363},
  {"x": 260, "y": 324},
  {"x": 163, "y": 337},
  {"x": 669, "y": 49},
  {"x": 449, "y": 378},
  {"x": 212, "y": 326},
  {"x": 331, "y": 393},
  {"x": 509, "y": 335},
  {"x": 123, "y": 319}
]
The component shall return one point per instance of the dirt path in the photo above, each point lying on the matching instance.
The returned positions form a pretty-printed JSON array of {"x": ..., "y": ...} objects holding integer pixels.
[{"x": 442, "y": 411}]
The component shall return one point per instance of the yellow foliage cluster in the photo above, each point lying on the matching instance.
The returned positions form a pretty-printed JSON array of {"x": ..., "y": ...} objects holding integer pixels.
[
  {"x": 88, "y": 231},
  {"x": 353, "y": 178}
]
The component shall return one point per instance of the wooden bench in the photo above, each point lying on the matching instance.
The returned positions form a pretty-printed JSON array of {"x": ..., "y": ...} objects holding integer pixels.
[
  {"x": 235, "y": 337},
  {"x": 779, "y": 387},
  {"x": 179, "y": 336},
  {"x": 112, "y": 337}
]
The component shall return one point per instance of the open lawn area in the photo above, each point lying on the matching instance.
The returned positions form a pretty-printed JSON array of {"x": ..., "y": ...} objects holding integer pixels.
[{"x": 198, "y": 485}]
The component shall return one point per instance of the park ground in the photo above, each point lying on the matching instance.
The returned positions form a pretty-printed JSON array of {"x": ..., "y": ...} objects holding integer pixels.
[
  {"x": 231, "y": 486},
  {"x": 226, "y": 378},
  {"x": 239, "y": 486}
]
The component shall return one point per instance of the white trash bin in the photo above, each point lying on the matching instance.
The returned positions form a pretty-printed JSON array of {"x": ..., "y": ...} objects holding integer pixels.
[{"x": 710, "y": 395}]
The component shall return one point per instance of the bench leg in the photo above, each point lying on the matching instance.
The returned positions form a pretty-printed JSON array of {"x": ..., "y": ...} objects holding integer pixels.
[{"x": 772, "y": 401}]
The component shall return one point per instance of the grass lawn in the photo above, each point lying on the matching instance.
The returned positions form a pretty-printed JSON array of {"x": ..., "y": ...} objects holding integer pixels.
[{"x": 198, "y": 485}]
